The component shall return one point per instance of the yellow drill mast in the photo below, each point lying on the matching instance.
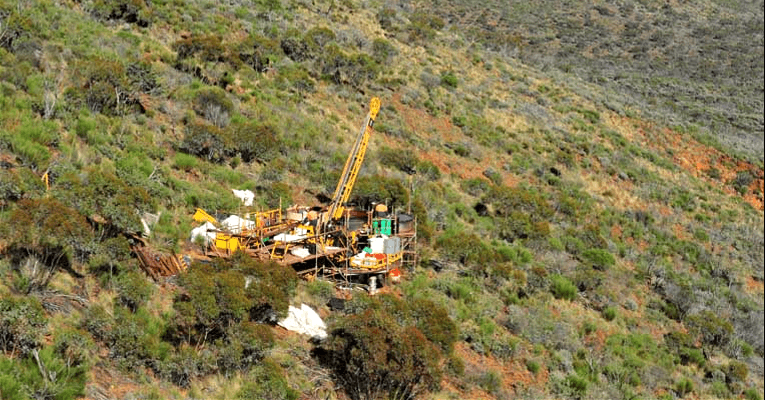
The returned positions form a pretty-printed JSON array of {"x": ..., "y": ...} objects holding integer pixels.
[{"x": 353, "y": 165}]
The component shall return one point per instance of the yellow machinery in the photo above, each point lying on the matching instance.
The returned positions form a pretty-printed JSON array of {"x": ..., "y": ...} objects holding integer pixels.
[{"x": 352, "y": 166}]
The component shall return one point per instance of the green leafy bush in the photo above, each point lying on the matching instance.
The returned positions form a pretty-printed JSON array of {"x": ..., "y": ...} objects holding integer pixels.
[
  {"x": 521, "y": 213},
  {"x": 101, "y": 85},
  {"x": 22, "y": 324},
  {"x": 609, "y": 313},
  {"x": 532, "y": 366},
  {"x": 684, "y": 387},
  {"x": 219, "y": 296},
  {"x": 383, "y": 51},
  {"x": 752, "y": 394},
  {"x": 130, "y": 11},
  {"x": 212, "y": 103},
  {"x": 711, "y": 328},
  {"x": 205, "y": 141},
  {"x": 104, "y": 197},
  {"x": 562, "y": 288},
  {"x": 43, "y": 375},
  {"x": 599, "y": 259},
  {"x": 577, "y": 384},
  {"x": 449, "y": 80},
  {"x": 259, "y": 52},
  {"x": 185, "y": 162},
  {"x": 371, "y": 355},
  {"x": 254, "y": 142},
  {"x": 133, "y": 289},
  {"x": 267, "y": 381}
]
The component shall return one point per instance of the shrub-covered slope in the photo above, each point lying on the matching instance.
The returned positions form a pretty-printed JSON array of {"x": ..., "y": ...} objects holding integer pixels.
[{"x": 587, "y": 181}]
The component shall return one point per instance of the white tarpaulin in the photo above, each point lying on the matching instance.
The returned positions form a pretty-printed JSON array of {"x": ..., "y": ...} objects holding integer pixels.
[
  {"x": 235, "y": 224},
  {"x": 301, "y": 252},
  {"x": 246, "y": 196},
  {"x": 206, "y": 232},
  {"x": 287, "y": 238},
  {"x": 304, "y": 320}
]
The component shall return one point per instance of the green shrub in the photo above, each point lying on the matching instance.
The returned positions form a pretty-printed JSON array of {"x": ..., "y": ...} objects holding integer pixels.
[
  {"x": 449, "y": 80},
  {"x": 691, "y": 355},
  {"x": 318, "y": 37},
  {"x": 423, "y": 26},
  {"x": 30, "y": 153},
  {"x": 95, "y": 192},
  {"x": 532, "y": 366},
  {"x": 205, "y": 141},
  {"x": 323, "y": 291},
  {"x": 752, "y": 394},
  {"x": 22, "y": 324},
  {"x": 599, "y": 259},
  {"x": 185, "y": 162},
  {"x": 260, "y": 52},
  {"x": 217, "y": 297},
  {"x": 521, "y": 213},
  {"x": 577, "y": 384},
  {"x": 267, "y": 381},
  {"x": 371, "y": 355},
  {"x": 609, "y": 313},
  {"x": 129, "y": 11},
  {"x": 736, "y": 371},
  {"x": 475, "y": 186},
  {"x": 383, "y": 51},
  {"x": 213, "y": 104},
  {"x": 23, "y": 378},
  {"x": 134, "y": 290},
  {"x": 490, "y": 381},
  {"x": 562, "y": 288},
  {"x": 684, "y": 387},
  {"x": 710, "y": 328},
  {"x": 19, "y": 183},
  {"x": 101, "y": 85},
  {"x": 588, "y": 327}
]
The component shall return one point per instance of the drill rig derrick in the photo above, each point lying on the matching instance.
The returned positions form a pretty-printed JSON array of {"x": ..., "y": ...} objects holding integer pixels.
[{"x": 350, "y": 171}]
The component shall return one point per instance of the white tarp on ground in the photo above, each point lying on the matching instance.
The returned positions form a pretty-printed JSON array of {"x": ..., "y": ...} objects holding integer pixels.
[
  {"x": 246, "y": 196},
  {"x": 235, "y": 224},
  {"x": 206, "y": 232},
  {"x": 304, "y": 320}
]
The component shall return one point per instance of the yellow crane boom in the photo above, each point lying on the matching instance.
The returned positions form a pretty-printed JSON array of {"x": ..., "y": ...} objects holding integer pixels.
[{"x": 353, "y": 164}]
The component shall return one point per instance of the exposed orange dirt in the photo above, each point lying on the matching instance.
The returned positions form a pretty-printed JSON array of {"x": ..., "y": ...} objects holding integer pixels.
[
  {"x": 425, "y": 126},
  {"x": 754, "y": 286},
  {"x": 700, "y": 160},
  {"x": 513, "y": 371}
]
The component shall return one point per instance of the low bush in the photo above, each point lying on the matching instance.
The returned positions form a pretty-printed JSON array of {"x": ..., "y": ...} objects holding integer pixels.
[
  {"x": 609, "y": 313},
  {"x": 599, "y": 259},
  {"x": 562, "y": 288},
  {"x": 683, "y": 387},
  {"x": 372, "y": 356},
  {"x": 267, "y": 381},
  {"x": 711, "y": 328},
  {"x": 532, "y": 366},
  {"x": 22, "y": 324},
  {"x": 185, "y": 162}
]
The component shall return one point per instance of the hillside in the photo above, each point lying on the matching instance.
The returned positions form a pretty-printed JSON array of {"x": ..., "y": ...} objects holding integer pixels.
[{"x": 587, "y": 181}]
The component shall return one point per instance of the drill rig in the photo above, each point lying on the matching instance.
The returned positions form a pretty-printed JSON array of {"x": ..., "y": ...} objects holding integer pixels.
[{"x": 335, "y": 242}]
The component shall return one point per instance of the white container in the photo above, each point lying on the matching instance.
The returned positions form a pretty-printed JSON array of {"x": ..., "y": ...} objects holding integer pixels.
[{"x": 377, "y": 244}]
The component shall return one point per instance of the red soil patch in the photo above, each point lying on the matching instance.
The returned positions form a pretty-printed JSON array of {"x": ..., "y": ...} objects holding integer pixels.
[
  {"x": 616, "y": 232},
  {"x": 754, "y": 286},
  {"x": 680, "y": 232},
  {"x": 700, "y": 160},
  {"x": 425, "y": 125},
  {"x": 513, "y": 371},
  {"x": 106, "y": 384}
]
